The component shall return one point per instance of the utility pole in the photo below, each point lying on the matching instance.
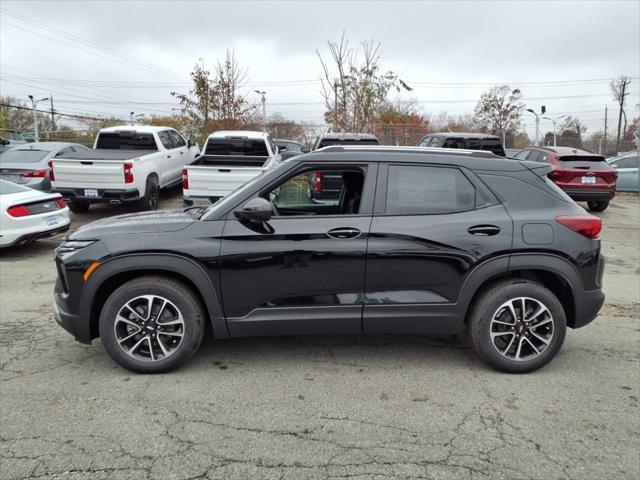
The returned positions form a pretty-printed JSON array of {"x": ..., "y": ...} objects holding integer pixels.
[
  {"x": 264, "y": 109},
  {"x": 605, "y": 131},
  {"x": 34, "y": 104},
  {"x": 623, "y": 93},
  {"x": 53, "y": 120},
  {"x": 335, "y": 105}
]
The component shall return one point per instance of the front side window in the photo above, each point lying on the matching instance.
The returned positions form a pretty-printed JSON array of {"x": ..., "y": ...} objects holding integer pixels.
[
  {"x": 522, "y": 155},
  {"x": 425, "y": 142},
  {"x": 319, "y": 192},
  {"x": 416, "y": 190}
]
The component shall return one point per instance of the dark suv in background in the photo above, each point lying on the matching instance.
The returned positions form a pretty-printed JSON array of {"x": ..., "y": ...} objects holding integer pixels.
[
  {"x": 419, "y": 241},
  {"x": 465, "y": 141},
  {"x": 583, "y": 175}
]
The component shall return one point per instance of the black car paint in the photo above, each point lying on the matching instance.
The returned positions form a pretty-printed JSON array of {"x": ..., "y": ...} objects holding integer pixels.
[{"x": 290, "y": 276}]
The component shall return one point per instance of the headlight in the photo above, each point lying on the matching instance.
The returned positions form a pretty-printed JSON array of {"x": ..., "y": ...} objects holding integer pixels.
[{"x": 73, "y": 245}]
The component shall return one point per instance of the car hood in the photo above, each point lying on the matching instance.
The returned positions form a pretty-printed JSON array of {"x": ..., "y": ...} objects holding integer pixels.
[{"x": 135, "y": 223}]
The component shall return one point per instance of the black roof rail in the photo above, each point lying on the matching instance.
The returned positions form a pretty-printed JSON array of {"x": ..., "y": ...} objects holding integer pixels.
[{"x": 407, "y": 150}]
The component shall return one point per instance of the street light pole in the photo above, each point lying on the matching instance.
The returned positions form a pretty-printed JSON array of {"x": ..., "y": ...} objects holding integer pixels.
[
  {"x": 264, "y": 109},
  {"x": 554, "y": 126},
  {"x": 537, "y": 126},
  {"x": 34, "y": 104}
]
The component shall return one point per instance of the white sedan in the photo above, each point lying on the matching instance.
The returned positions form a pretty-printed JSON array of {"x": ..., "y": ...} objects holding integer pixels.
[{"x": 27, "y": 215}]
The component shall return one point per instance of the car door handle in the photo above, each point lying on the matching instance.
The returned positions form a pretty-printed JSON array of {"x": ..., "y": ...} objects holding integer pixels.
[
  {"x": 343, "y": 233},
  {"x": 484, "y": 230},
  {"x": 168, "y": 156}
]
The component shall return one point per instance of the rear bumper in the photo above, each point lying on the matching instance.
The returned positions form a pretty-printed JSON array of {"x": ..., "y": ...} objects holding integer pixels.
[
  {"x": 104, "y": 195},
  {"x": 590, "y": 195},
  {"x": 10, "y": 241},
  {"x": 588, "y": 304}
]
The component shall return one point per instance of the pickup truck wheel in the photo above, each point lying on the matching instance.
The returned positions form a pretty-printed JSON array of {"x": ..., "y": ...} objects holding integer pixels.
[
  {"x": 598, "y": 206},
  {"x": 517, "y": 326},
  {"x": 152, "y": 324},
  {"x": 79, "y": 206},
  {"x": 151, "y": 198}
]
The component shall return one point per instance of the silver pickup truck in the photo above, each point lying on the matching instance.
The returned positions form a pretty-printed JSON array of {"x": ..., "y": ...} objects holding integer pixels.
[{"x": 229, "y": 160}]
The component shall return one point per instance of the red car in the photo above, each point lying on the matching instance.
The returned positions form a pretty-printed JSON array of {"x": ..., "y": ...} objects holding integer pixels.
[{"x": 584, "y": 176}]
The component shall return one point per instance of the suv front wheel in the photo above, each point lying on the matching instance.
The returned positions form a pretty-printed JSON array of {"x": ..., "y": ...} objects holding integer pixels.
[
  {"x": 517, "y": 326},
  {"x": 152, "y": 324}
]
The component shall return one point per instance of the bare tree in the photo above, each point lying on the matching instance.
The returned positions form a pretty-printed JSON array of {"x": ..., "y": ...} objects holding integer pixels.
[
  {"x": 353, "y": 85},
  {"x": 499, "y": 110}
]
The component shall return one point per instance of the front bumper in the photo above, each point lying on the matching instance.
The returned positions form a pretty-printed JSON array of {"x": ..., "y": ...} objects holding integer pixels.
[
  {"x": 75, "y": 324},
  {"x": 104, "y": 195}
]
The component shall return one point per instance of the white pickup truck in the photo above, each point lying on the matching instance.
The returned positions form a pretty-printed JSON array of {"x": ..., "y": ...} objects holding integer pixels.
[
  {"x": 229, "y": 160},
  {"x": 126, "y": 164}
]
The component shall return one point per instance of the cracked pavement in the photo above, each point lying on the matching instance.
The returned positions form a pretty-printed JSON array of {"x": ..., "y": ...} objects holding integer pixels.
[{"x": 320, "y": 407}]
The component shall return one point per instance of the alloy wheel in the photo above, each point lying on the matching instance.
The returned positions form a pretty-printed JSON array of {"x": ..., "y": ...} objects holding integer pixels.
[
  {"x": 149, "y": 328},
  {"x": 521, "y": 329}
]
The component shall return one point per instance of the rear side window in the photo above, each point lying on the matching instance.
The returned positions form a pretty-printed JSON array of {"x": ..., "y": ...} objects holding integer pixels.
[
  {"x": 415, "y": 190},
  {"x": 126, "y": 140},
  {"x": 165, "y": 139},
  {"x": 237, "y": 147}
]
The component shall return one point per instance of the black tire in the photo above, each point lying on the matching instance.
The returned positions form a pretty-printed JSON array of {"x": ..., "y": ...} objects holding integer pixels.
[
  {"x": 180, "y": 298},
  {"x": 489, "y": 303},
  {"x": 598, "y": 206},
  {"x": 151, "y": 198},
  {"x": 79, "y": 206}
]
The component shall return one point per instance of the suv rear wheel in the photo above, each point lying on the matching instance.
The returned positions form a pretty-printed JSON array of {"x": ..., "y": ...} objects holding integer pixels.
[
  {"x": 598, "y": 206},
  {"x": 517, "y": 326},
  {"x": 152, "y": 324}
]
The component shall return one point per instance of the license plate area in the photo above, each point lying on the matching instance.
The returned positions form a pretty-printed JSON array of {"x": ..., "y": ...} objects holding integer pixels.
[
  {"x": 91, "y": 192},
  {"x": 588, "y": 180},
  {"x": 53, "y": 220}
]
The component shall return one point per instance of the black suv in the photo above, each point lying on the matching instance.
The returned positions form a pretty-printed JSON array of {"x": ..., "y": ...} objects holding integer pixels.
[
  {"x": 419, "y": 242},
  {"x": 468, "y": 141}
]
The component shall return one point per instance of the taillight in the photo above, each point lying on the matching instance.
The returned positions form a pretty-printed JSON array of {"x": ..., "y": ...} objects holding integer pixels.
[
  {"x": 61, "y": 202},
  {"x": 185, "y": 179},
  {"x": 19, "y": 211},
  {"x": 554, "y": 175},
  {"x": 586, "y": 225},
  {"x": 128, "y": 174},
  {"x": 317, "y": 182},
  {"x": 34, "y": 174},
  {"x": 52, "y": 177}
]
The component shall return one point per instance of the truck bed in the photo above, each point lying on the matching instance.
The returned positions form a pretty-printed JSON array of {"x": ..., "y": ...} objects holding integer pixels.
[
  {"x": 106, "y": 154},
  {"x": 229, "y": 161}
]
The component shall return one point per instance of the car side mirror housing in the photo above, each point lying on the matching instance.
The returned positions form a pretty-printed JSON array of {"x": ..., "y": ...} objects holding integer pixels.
[
  {"x": 305, "y": 150},
  {"x": 255, "y": 210},
  {"x": 190, "y": 143},
  {"x": 281, "y": 148},
  {"x": 614, "y": 165}
]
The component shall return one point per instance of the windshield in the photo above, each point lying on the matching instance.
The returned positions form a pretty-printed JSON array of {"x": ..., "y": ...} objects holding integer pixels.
[
  {"x": 347, "y": 141},
  {"x": 237, "y": 146},
  {"x": 23, "y": 156},
  {"x": 126, "y": 140}
]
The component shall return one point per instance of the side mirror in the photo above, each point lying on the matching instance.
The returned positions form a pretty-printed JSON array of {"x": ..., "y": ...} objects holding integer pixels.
[
  {"x": 282, "y": 148},
  {"x": 255, "y": 210},
  {"x": 305, "y": 150},
  {"x": 190, "y": 143},
  {"x": 614, "y": 165}
]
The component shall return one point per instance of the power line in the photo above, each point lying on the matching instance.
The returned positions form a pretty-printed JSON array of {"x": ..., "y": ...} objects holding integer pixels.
[{"x": 19, "y": 107}]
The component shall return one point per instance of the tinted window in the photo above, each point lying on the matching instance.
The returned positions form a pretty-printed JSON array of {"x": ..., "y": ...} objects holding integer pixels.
[
  {"x": 424, "y": 190},
  {"x": 165, "y": 139},
  {"x": 177, "y": 139},
  {"x": 522, "y": 155},
  {"x": 65, "y": 151},
  {"x": 23, "y": 156},
  {"x": 325, "y": 142},
  {"x": 7, "y": 187},
  {"x": 237, "y": 146},
  {"x": 126, "y": 140},
  {"x": 581, "y": 158}
]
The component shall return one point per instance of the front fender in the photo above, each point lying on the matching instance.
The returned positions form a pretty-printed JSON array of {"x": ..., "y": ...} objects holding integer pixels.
[{"x": 156, "y": 263}]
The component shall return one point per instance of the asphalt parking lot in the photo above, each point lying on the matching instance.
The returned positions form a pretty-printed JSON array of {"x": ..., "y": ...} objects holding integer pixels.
[{"x": 320, "y": 407}]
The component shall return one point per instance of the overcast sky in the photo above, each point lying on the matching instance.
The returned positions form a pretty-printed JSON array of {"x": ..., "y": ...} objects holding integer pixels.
[{"x": 560, "y": 54}]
